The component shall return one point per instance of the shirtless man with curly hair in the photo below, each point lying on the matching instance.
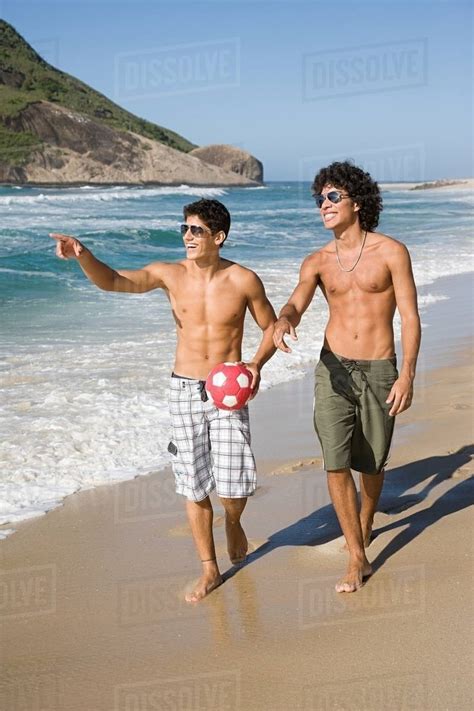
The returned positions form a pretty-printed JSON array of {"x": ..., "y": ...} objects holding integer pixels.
[{"x": 364, "y": 276}]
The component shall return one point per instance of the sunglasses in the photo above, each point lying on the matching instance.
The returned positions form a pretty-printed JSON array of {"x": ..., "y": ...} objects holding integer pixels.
[
  {"x": 333, "y": 196},
  {"x": 196, "y": 230}
]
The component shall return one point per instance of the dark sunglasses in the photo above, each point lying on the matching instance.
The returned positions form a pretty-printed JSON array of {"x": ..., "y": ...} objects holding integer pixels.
[
  {"x": 333, "y": 196},
  {"x": 196, "y": 230}
]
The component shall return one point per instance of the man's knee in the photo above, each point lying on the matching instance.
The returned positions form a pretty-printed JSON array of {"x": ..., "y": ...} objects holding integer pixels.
[
  {"x": 233, "y": 507},
  {"x": 198, "y": 505},
  {"x": 343, "y": 472}
]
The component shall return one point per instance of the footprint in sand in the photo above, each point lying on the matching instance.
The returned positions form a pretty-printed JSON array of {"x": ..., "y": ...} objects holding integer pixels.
[
  {"x": 297, "y": 466},
  {"x": 183, "y": 529},
  {"x": 464, "y": 472},
  {"x": 334, "y": 547}
]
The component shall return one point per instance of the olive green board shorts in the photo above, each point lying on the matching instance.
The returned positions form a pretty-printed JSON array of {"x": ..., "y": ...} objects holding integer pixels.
[{"x": 350, "y": 413}]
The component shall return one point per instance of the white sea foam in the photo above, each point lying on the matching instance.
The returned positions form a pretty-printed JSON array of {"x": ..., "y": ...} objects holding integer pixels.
[
  {"x": 77, "y": 417},
  {"x": 24, "y": 272},
  {"x": 429, "y": 299},
  {"x": 108, "y": 195},
  {"x": 6, "y": 532}
]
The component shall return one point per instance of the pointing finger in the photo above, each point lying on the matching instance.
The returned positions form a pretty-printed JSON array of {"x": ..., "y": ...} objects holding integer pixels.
[{"x": 58, "y": 235}]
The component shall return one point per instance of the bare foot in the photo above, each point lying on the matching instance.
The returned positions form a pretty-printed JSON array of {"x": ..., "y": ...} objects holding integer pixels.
[
  {"x": 237, "y": 544},
  {"x": 357, "y": 571},
  {"x": 208, "y": 582}
]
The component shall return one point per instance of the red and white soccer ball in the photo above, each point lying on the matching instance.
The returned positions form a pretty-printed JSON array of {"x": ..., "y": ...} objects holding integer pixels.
[{"x": 228, "y": 385}]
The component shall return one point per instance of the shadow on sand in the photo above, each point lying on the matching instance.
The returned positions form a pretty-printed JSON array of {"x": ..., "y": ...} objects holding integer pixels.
[{"x": 321, "y": 526}]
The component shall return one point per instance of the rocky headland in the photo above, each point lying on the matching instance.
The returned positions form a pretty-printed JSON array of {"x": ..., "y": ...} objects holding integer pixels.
[
  {"x": 232, "y": 159},
  {"x": 56, "y": 130}
]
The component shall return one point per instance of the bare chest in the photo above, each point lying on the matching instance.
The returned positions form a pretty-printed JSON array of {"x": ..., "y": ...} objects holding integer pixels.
[
  {"x": 213, "y": 304},
  {"x": 370, "y": 276}
]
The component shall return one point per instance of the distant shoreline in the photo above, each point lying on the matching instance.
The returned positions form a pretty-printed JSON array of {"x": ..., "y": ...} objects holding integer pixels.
[
  {"x": 179, "y": 184},
  {"x": 440, "y": 183},
  {"x": 458, "y": 183}
]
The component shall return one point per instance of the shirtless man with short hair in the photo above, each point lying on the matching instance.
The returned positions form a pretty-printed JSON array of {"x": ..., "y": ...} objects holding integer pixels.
[
  {"x": 209, "y": 297},
  {"x": 364, "y": 276}
]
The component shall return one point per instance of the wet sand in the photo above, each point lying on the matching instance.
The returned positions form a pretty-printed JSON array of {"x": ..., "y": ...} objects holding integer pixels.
[{"x": 92, "y": 615}]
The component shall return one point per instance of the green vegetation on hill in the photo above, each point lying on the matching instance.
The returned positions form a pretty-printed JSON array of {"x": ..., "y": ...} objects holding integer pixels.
[
  {"x": 26, "y": 78},
  {"x": 16, "y": 148}
]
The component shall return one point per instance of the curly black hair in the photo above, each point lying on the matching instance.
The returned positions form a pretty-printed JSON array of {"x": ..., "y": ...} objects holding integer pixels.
[
  {"x": 358, "y": 184},
  {"x": 213, "y": 213}
]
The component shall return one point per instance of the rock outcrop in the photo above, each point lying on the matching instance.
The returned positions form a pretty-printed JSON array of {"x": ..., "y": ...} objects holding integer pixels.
[
  {"x": 74, "y": 149},
  {"x": 56, "y": 130},
  {"x": 231, "y": 159}
]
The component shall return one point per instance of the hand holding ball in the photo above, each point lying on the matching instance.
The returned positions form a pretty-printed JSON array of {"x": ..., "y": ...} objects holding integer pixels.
[{"x": 228, "y": 385}]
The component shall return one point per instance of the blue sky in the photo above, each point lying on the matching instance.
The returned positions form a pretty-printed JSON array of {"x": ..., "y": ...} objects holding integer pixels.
[{"x": 296, "y": 83}]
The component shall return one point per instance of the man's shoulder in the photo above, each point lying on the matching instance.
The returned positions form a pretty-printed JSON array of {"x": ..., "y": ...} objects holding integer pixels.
[
  {"x": 238, "y": 271},
  {"x": 386, "y": 240},
  {"x": 390, "y": 246},
  {"x": 242, "y": 279},
  {"x": 316, "y": 258},
  {"x": 168, "y": 273},
  {"x": 166, "y": 266}
]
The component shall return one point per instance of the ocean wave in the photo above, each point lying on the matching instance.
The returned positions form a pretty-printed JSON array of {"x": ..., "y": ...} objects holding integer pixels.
[
  {"x": 275, "y": 211},
  {"x": 428, "y": 299},
  {"x": 24, "y": 272},
  {"x": 109, "y": 195}
]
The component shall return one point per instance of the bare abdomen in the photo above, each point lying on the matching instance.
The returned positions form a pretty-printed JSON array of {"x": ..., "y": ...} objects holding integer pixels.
[
  {"x": 199, "y": 349},
  {"x": 365, "y": 334}
]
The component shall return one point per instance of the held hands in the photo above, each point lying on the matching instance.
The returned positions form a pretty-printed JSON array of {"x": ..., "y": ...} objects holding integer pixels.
[
  {"x": 281, "y": 328},
  {"x": 400, "y": 395},
  {"x": 67, "y": 247}
]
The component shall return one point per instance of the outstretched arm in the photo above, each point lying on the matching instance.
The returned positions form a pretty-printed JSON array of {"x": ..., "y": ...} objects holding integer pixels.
[
  {"x": 136, "y": 281},
  {"x": 291, "y": 313},
  {"x": 401, "y": 394},
  {"x": 264, "y": 316}
]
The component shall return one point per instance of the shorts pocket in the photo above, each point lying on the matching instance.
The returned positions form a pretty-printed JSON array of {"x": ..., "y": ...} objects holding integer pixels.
[{"x": 172, "y": 449}]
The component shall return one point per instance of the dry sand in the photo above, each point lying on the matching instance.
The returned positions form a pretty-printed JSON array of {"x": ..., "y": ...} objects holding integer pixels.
[{"x": 91, "y": 609}]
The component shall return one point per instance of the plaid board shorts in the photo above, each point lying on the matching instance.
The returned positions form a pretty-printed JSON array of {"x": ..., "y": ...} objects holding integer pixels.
[{"x": 210, "y": 448}]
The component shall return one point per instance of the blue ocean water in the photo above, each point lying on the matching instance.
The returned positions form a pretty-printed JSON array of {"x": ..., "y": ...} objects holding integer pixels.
[{"x": 83, "y": 373}]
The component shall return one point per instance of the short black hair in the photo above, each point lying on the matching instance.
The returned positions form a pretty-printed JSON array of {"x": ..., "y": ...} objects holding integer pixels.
[
  {"x": 360, "y": 186},
  {"x": 213, "y": 213}
]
